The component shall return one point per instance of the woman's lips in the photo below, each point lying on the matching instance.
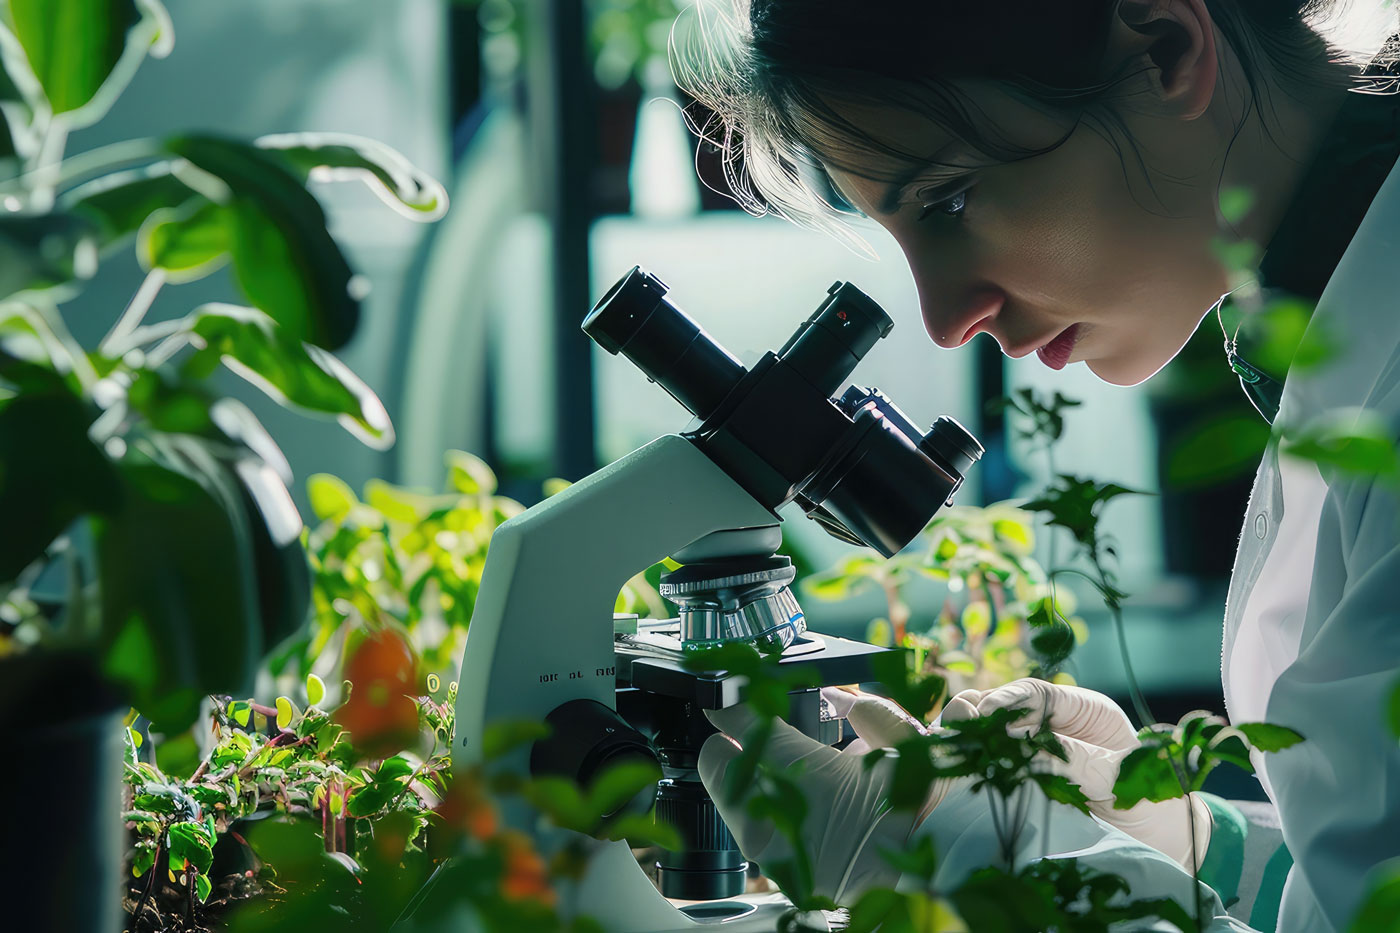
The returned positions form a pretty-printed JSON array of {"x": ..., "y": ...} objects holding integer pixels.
[{"x": 1055, "y": 354}]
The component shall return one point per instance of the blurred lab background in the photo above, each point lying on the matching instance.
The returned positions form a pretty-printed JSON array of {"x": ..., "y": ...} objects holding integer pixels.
[{"x": 559, "y": 132}]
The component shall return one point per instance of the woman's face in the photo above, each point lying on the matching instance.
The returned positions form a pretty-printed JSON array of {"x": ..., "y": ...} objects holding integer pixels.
[{"x": 1068, "y": 253}]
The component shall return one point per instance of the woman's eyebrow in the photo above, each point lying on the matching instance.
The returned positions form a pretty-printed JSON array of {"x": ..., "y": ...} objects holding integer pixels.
[
  {"x": 894, "y": 194},
  {"x": 934, "y": 175}
]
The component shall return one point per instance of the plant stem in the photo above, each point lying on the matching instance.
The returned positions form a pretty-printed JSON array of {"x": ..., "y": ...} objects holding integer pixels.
[
  {"x": 190, "y": 874},
  {"x": 86, "y": 164},
  {"x": 1116, "y": 611},
  {"x": 44, "y": 176},
  {"x": 998, "y": 825},
  {"x": 135, "y": 311},
  {"x": 149, "y": 333},
  {"x": 150, "y": 885},
  {"x": 167, "y": 348}
]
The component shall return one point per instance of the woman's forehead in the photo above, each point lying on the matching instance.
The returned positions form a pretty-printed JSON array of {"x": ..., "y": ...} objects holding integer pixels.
[{"x": 893, "y": 140}]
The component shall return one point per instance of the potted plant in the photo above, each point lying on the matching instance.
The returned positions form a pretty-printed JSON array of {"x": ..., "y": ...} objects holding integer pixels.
[{"x": 122, "y": 468}]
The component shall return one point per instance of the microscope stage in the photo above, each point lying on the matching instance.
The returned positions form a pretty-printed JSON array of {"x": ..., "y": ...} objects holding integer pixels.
[{"x": 830, "y": 659}]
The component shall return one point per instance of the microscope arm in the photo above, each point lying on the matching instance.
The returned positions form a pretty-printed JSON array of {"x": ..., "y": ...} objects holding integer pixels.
[{"x": 541, "y": 634}]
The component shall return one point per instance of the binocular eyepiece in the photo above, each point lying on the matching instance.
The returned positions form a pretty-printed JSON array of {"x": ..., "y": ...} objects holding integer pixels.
[{"x": 856, "y": 464}]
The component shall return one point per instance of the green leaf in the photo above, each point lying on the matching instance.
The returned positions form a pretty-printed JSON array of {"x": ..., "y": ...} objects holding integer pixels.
[
  {"x": 1061, "y": 790},
  {"x": 50, "y": 471},
  {"x": 917, "y": 693},
  {"x": 1016, "y": 533},
  {"x": 469, "y": 475},
  {"x": 1235, "y": 203},
  {"x": 1054, "y": 643},
  {"x": 554, "y": 485},
  {"x": 501, "y": 737},
  {"x": 118, "y": 204},
  {"x": 281, "y": 570},
  {"x": 40, "y": 251},
  {"x": 292, "y": 373},
  {"x": 178, "y": 755},
  {"x": 191, "y": 842},
  {"x": 142, "y": 859},
  {"x": 393, "y": 767},
  {"x": 331, "y": 497},
  {"x": 156, "y": 798},
  {"x": 341, "y": 157},
  {"x": 1269, "y": 738},
  {"x": 879, "y": 909},
  {"x": 1380, "y": 911},
  {"x": 187, "y": 243},
  {"x": 240, "y": 711},
  {"x": 315, "y": 690},
  {"x": 918, "y": 858},
  {"x": 734, "y": 657},
  {"x": 1354, "y": 441},
  {"x": 398, "y": 504},
  {"x": 1393, "y": 710},
  {"x": 175, "y": 561},
  {"x": 1145, "y": 774},
  {"x": 294, "y": 847},
  {"x": 373, "y": 797},
  {"x": 169, "y": 404},
  {"x": 202, "y": 887},
  {"x": 742, "y": 771},
  {"x": 1074, "y": 504},
  {"x": 562, "y": 801},
  {"x": 618, "y": 787},
  {"x": 286, "y": 712},
  {"x": 75, "y": 46},
  {"x": 1216, "y": 448},
  {"x": 283, "y": 257},
  {"x": 131, "y": 658},
  {"x": 914, "y": 773},
  {"x": 641, "y": 830}
]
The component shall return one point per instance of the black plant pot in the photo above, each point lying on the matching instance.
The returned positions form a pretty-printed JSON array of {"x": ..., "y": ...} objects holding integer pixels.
[{"x": 61, "y": 782}]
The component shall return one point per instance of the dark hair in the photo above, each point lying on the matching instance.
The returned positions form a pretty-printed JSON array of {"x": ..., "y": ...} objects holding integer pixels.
[{"x": 768, "y": 71}]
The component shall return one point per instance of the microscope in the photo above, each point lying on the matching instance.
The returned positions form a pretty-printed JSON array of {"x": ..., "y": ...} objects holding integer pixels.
[{"x": 544, "y": 643}]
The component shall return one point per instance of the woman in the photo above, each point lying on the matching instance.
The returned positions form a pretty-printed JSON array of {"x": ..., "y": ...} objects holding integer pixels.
[{"x": 1052, "y": 173}]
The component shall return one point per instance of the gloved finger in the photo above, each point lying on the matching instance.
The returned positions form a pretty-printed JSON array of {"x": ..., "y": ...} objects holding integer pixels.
[
  {"x": 1065, "y": 710},
  {"x": 857, "y": 746},
  {"x": 881, "y": 722},
  {"x": 754, "y": 837},
  {"x": 1093, "y": 767},
  {"x": 786, "y": 745},
  {"x": 840, "y": 699},
  {"x": 962, "y": 706},
  {"x": 734, "y": 720}
]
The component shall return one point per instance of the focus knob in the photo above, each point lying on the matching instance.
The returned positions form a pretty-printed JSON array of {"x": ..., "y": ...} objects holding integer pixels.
[{"x": 586, "y": 739}]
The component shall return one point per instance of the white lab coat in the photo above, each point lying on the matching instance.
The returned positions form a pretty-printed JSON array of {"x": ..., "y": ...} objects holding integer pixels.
[{"x": 1312, "y": 622}]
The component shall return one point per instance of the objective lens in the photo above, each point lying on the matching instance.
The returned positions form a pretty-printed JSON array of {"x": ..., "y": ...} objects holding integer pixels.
[{"x": 635, "y": 319}]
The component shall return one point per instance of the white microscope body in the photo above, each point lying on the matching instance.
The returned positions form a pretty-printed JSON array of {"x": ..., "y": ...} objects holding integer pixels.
[{"x": 542, "y": 633}]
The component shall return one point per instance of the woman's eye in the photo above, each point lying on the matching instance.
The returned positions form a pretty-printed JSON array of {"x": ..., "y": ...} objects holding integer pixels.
[{"x": 952, "y": 206}]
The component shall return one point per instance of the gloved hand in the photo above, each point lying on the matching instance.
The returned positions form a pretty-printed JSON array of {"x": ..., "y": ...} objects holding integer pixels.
[
  {"x": 849, "y": 821},
  {"x": 1097, "y": 736}
]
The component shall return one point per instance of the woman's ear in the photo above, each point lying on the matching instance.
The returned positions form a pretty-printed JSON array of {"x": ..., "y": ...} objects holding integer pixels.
[{"x": 1177, "y": 37}]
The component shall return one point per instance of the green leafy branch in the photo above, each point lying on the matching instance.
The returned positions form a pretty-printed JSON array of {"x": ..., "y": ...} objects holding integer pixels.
[
  {"x": 399, "y": 555},
  {"x": 1175, "y": 760}
]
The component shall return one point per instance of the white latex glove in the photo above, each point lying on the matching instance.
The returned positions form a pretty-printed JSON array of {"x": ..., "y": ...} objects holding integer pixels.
[
  {"x": 1097, "y": 736},
  {"x": 849, "y": 820}
]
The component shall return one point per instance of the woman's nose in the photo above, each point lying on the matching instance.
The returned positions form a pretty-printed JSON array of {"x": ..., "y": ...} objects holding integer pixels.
[{"x": 953, "y": 322}]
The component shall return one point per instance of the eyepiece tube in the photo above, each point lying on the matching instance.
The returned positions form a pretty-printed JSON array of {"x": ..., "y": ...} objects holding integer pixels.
[
  {"x": 829, "y": 344},
  {"x": 635, "y": 319}
]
